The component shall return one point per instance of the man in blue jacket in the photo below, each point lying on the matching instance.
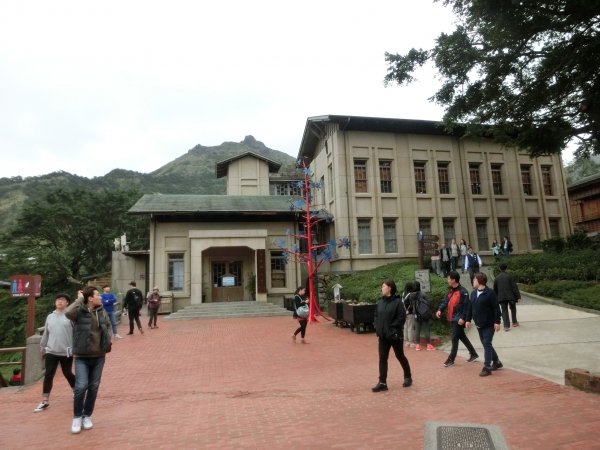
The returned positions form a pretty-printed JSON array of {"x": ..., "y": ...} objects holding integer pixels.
[
  {"x": 457, "y": 302},
  {"x": 485, "y": 310},
  {"x": 108, "y": 303}
]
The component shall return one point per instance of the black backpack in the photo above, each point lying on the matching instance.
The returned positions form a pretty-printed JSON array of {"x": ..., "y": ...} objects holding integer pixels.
[
  {"x": 423, "y": 308},
  {"x": 137, "y": 299}
]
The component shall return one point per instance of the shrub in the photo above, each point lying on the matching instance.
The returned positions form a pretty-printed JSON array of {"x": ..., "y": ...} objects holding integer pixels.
[
  {"x": 557, "y": 289},
  {"x": 585, "y": 298}
]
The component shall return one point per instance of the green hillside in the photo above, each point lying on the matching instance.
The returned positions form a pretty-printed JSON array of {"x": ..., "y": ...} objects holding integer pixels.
[{"x": 191, "y": 173}]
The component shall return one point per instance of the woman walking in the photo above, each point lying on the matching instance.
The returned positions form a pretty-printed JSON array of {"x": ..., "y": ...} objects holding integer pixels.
[
  {"x": 418, "y": 298},
  {"x": 302, "y": 321},
  {"x": 390, "y": 316},
  {"x": 154, "y": 301},
  {"x": 464, "y": 249},
  {"x": 454, "y": 254}
]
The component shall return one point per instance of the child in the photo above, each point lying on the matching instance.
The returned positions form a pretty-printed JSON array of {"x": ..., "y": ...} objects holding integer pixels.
[{"x": 16, "y": 378}]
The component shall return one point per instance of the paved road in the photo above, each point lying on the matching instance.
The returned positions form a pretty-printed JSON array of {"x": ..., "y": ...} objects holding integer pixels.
[{"x": 242, "y": 383}]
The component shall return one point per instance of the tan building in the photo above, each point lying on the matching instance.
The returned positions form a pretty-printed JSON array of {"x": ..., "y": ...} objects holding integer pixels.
[{"x": 384, "y": 180}]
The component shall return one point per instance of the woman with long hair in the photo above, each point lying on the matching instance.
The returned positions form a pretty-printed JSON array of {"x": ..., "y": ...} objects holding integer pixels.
[
  {"x": 302, "y": 321},
  {"x": 464, "y": 249}
]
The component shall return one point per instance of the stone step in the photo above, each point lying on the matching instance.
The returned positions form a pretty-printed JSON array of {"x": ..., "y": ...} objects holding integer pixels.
[
  {"x": 227, "y": 310},
  {"x": 233, "y": 315}
]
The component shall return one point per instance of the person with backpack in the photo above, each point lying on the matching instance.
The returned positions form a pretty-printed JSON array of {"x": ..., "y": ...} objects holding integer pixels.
[
  {"x": 300, "y": 314},
  {"x": 390, "y": 315},
  {"x": 457, "y": 303},
  {"x": 133, "y": 304},
  {"x": 423, "y": 314},
  {"x": 409, "y": 323}
]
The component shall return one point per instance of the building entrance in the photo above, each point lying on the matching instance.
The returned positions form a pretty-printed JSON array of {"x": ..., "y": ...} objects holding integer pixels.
[{"x": 227, "y": 281}]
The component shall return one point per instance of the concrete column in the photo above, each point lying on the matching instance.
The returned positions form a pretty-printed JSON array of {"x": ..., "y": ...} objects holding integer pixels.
[{"x": 34, "y": 361}]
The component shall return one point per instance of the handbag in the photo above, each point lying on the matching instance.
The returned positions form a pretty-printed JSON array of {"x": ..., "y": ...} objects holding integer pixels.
[{"x": 302, "y": 311}]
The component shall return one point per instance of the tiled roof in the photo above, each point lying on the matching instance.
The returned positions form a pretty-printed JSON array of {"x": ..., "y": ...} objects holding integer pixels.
[
  {"x": 221, "y": 166},
  {"x": 204, "y": 204}
]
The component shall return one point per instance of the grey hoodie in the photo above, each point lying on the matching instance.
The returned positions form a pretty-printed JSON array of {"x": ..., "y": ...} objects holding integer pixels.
[{"x": 58, "y": 334}]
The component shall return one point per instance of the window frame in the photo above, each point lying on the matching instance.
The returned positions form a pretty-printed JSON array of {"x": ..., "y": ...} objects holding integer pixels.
[
  {"x": 534, "y": 238},
  {"x": 364, "y": 224},
  {"x": 388, "y": 241},
  {"x": 483, "y": 243},
  {"x": 475, "y": 178},
  {"x": 554, "y": 227},
  {"x": 444, "y": 177},
  {"x": 360, "y": 169},
  {"x": 497, "y": 178},
  {"x": 425, "y": 226},
  {"x": 526, "y": 180},
  {"x": 387, "y": 179},
  {"x": 420, "y": 177},
  {"x": 277, "y": 258},
  {"x": 173, "y": 258},
  {"x": 448, "y": 239},
  {"x": 547, "y": 179}
]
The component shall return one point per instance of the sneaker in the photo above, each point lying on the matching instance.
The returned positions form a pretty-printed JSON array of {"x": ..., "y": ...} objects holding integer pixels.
[
  {"x": 42, "y": 406},
  {"x": 430, "y": 347},
  {"x": 293, "y": 337},
  {"x": 407, "y": 382},
  {"x": 448, "y": 363},
  {"x": 418, "y": 348},
  {"x": 380, "y": 387},
  {"x": 142, "y": 330},
  {"x": 473, "y": 358},
  {"x": 406, "y": 344},
  {"x": 497, "y": 365},
  {"x": 129, "y": 334},
  {"x": 118, "y": 336},
  {"x": 87, "y": 423},
  {"x": 485, "y": 372},
  {"x": 76, "y": 427}
]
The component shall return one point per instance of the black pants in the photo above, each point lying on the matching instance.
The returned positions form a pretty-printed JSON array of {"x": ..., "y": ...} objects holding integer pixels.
[
  {"x": 513, "y": 312},
  {"x": 472, "y": 272},
  {"x": 487, "y": 335},
  {"x": 134, "y": 315},
  {"x": 384, "y": 352},
  {"x": 153, "y": 313},
  {"x": 458, "y": 334},
  {"x": 302, "y": 328},
  {"x": 52, "y": 362},
  {"x": 446, "y": 267},
  {"x": 425, "y": 325}
]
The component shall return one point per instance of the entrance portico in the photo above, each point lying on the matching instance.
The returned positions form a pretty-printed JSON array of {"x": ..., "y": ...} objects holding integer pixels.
[{"x": 205, "y": 243}]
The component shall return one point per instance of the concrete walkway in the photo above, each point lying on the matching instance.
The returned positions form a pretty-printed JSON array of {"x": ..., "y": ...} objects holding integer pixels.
[
  {"x": 244, "y": 384},
  {"x": 548, "y": 340}
]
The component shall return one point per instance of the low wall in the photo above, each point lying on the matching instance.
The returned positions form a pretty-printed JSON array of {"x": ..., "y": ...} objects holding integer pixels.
[{"x": 583, "y": 380}]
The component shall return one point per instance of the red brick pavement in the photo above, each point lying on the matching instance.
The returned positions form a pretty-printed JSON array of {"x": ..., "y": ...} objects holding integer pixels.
[{"x": 243, "y": 383}]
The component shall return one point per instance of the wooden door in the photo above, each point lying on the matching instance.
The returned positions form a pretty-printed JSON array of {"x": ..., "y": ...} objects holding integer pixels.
[{"x": 233, "y": 289}]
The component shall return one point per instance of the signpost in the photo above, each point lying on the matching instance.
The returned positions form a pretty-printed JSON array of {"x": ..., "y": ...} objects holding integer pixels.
[
  {"x": 426, "y": 245},
  {"x": 27, "y": 286}
]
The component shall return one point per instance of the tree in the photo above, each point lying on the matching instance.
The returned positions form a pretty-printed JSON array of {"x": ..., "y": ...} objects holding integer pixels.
[
  {"x": 522, "y": 72},
  {"x": 70, "y": 233},
  {"x": 581, "y": 168},
  {"x": 310, "y": 217}
]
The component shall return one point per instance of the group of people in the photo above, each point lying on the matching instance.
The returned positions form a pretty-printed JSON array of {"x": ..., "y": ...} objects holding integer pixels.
[
  {"x": 82, "y": 333},
  {"x": 399, "y": 320},
  {"x": 449, "y": 256}
]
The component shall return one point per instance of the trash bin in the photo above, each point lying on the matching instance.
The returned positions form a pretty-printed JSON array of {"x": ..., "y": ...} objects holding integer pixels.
[{"x": 166, "y": 305}]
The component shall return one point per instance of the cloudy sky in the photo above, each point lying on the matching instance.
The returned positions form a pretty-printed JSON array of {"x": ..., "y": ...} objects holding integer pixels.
[{"x": 88, "y": 87}]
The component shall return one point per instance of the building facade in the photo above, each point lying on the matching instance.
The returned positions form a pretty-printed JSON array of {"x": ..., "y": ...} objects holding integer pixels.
[
  {"x": 584, "y": 198},
  {"x": 383, "y": 181}
]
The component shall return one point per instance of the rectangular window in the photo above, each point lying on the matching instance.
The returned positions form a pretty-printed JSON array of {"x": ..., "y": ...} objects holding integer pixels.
[
  {"x": 449, "y": 231},
  {"x": 444, "y": 178},
  {"x": 475, "y": 179},
  {"x": 295, "y": 190},
  {"x": 176, "y": 274},
  {"x": 503, "y": 228},
  {"x": 482, "y": 235},
  {"x": 330, "y": 182},
  {"x": 277, "y": 270},
  {"x": 420, "y": 183},
  {"x": 389, "y": 235},
  {"x": 554, "y": 227},
  {"x": 360, "y": 176},
  {"x": 547, "y": 179},
  {"x": 526, "y": 180},
  {"x": 425, "y": 226},
  {"x": 364, "y": 237},
  {"x": 323, "y": 192},
  {"x": 385, "y": 176},
  {"x": 534, "y": 232},
  {"x": 497, "y": 178}
]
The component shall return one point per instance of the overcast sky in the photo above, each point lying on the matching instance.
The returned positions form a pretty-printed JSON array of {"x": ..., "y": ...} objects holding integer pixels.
[{"x": 89, "y": 87}]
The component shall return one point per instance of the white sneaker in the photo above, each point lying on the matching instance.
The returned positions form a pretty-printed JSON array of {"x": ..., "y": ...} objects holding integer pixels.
[
  {"x": 76, "y": 427},
  {"x": 87, "y": 423},
  {"x": 42, "y": 406},
  {"x": 118, "y": 336}
]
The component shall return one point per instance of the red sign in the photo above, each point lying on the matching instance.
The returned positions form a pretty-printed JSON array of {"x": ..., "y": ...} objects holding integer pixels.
[
  {"x": 429, "y": 238},
  {"x": 22, "y": 286}
]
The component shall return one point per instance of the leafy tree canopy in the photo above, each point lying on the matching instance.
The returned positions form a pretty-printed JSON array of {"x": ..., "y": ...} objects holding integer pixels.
[
  {"x": 525, "y": 72},
  {"x": 70, "y": 233}
]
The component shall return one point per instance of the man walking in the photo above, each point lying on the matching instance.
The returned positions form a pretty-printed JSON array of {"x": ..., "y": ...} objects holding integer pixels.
[
  {"x": 133, "y": 304},
  {"x": 484, "y": 309},
  {"x": 508, "y": 294},
  {"x": 108, "y": 302},
  {"x": 446, "y": 258},
  {"x": 507, "y": 247},
  {"x": 457, "y": 302},
  {"x": 56, "y": 343},
  {"x": 473, "y": 263}
]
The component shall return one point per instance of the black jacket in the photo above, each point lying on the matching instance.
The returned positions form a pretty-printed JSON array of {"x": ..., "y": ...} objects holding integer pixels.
[
  {"x": 91, "y": 335},
  {"x": 448, "y": 254},
  {"x": 506, "y": 288},
  {"x": 390, "y": 316},
  {"x": 129, "y": 301},
  {"x": 484, "y": 309}
]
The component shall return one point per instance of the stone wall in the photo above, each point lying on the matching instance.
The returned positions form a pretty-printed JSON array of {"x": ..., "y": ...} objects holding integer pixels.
[{"x": 583, "y": 380}]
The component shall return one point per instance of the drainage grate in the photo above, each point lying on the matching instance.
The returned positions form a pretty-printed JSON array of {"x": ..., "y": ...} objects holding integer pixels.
[{"x": 459, "y": 438}]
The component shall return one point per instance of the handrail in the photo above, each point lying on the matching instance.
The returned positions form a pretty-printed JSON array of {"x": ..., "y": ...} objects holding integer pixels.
[{"x": 23, "y": 350}]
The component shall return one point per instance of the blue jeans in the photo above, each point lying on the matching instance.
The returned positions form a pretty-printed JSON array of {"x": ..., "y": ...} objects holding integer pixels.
[
  {"x": 88, "y": 372},
  {"x": 506, "y": 252},
  {"x": 486, "y": 335},
  {"x": 113, "y": 320}
]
